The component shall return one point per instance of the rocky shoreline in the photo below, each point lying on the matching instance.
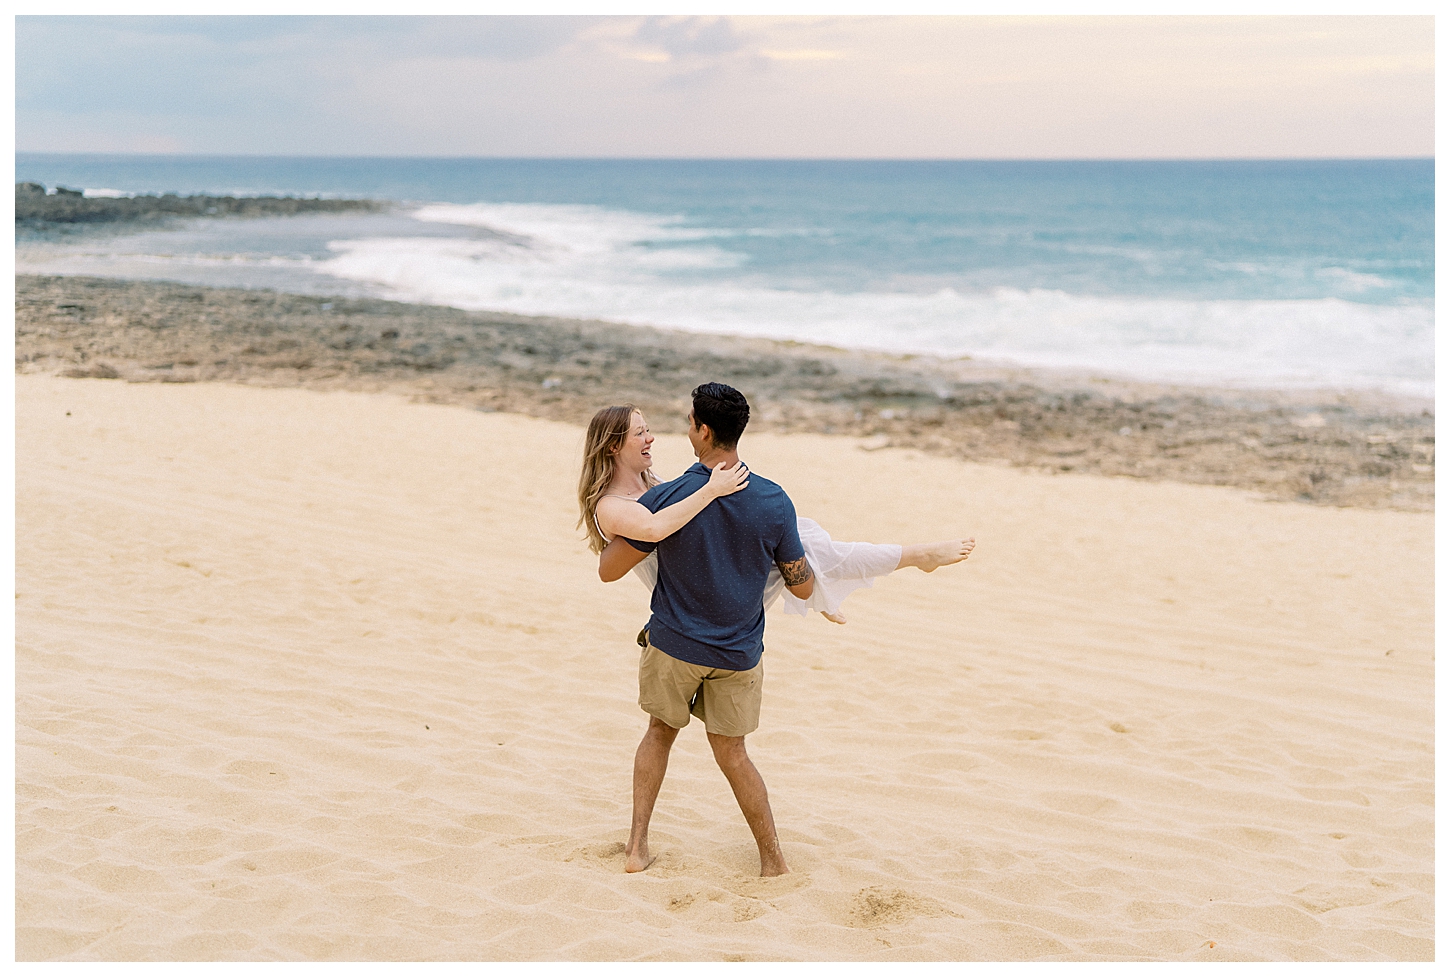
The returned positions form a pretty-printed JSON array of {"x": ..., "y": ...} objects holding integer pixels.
[
  {"x": 37, "y": 211},
  {"x": 1331, "y": 448}
]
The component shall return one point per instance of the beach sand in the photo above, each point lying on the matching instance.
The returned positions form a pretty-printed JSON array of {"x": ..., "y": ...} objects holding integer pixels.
[
  {"x": 1329, "y": 447},
  {"x": 329, "y": 675}
]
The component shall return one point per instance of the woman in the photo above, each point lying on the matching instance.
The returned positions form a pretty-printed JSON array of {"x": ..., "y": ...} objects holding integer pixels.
[{"x": 616, "y": 473}]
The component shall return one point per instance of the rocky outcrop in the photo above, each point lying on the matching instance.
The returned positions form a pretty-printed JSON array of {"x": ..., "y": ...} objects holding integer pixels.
[
  {"x": 1321, "y": 447},
  {"x": 36, "y": 208}
]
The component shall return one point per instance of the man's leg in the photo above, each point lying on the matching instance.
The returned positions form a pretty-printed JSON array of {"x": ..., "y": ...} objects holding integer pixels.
[
  {"x": 749, "y": 788},
  {"x": 650, "y": 761}
]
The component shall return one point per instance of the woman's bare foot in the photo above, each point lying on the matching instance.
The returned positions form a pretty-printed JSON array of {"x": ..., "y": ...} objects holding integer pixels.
[
  {"x": 836, "y": 618},
  {"x": 929, "y": 556}
]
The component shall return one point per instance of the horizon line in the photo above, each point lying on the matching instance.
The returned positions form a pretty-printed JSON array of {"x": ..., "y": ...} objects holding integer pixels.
[{"x": 743, "y": 159}]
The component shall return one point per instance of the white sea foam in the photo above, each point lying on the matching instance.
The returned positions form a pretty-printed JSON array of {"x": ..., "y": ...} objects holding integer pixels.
[
  {"x": 595, "y": 263},
  {"x": 1355, "y": 281},
  {"x": 592, "y": 262},
  {"x": 585, "y": 237}
]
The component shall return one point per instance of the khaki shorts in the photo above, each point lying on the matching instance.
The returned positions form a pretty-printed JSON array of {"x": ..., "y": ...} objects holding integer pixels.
[{"x": 727, "y": 702}]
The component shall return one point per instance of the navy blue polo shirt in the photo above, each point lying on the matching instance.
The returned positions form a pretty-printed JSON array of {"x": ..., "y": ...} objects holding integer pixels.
[{"x": 706, "y": 607}]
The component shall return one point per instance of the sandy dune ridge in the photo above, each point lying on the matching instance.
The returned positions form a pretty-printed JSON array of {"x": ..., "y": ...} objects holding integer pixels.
[{"x": 309, "y": 675}]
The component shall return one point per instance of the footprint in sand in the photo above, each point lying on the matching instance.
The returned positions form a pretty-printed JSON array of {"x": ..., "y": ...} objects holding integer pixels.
[
  {"x": 748, "y": 909},
  {"x": 881, "y": 906},
  {"x": 608, "y": 854},
  {"x": 754, "y": 887},
  {"x": 742, "y": 909}
]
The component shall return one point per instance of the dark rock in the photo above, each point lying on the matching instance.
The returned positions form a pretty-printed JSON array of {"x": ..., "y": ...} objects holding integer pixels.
[
  {"x": 1371, "y": 451},
  {"x": 68, "y": 207},
  {"x": 99, "y": 371}
]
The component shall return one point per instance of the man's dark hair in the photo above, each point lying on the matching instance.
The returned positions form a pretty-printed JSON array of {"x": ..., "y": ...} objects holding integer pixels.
[{"x": 724, "y": 410}]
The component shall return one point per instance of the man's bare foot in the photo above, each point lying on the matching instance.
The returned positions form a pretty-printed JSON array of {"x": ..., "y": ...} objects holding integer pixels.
[
  {"x": 638, "y": 861},
  {"x": 929, "y": 556},
  {"x": 773, "y": 868},
  {"x": 833, "y": 618}
]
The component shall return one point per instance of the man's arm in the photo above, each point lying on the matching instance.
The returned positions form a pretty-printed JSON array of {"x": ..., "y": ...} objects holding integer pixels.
[
  {"x": 798, "y": 577},
  {"x": 618, "y": 559}
]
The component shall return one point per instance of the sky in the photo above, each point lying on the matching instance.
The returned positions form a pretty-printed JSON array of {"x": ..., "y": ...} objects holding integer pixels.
[{"x": 968, "y": 87}]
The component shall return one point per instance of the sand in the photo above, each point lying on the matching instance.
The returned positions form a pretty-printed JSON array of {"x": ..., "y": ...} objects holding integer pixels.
[
  {"x": 307, "y": 675},
  {"x": 1328, "y": 447}
]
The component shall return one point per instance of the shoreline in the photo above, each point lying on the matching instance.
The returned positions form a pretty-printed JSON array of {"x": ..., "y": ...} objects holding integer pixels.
[
  {"x": 1363, "y": 449},
  {"x": 40, "y": 212}
]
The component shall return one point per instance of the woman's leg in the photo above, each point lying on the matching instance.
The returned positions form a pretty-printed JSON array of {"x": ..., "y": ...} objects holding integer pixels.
[
  {"x": 929, "y": 556},
  {"x": 857, "y": 564}
]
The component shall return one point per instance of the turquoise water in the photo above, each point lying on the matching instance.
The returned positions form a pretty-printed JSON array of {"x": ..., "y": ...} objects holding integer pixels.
[{"x": 1282, "y": 273}]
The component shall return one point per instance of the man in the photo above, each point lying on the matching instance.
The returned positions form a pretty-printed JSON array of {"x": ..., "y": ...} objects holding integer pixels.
[{"x": 703, "y": 645}]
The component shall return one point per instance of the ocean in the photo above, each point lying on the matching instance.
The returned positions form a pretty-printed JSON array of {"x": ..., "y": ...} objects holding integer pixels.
[{"x": 1241, "y": 273}]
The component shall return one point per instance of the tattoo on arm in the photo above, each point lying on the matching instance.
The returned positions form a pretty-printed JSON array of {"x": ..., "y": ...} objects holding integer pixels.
[{"x": 795, "y": 573}]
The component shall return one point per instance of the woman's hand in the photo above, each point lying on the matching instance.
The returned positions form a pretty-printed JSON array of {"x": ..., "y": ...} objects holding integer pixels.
[
  {"x": 726, "y": 480},
  {"x": 627, "y": 518}
]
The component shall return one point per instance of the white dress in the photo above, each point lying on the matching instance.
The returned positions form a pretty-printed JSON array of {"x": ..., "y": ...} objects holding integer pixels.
[{"x": 839, "y": 568}]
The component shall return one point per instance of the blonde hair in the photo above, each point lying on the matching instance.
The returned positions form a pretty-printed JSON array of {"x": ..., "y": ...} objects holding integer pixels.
[{"x": 607, "y": 432}]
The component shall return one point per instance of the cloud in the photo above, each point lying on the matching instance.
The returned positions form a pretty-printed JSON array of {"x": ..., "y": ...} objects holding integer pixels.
[
  {"x": 729, "y": 86},
  {"x": 807, "y": 54},
  {"x": 691, "y": 37}
]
